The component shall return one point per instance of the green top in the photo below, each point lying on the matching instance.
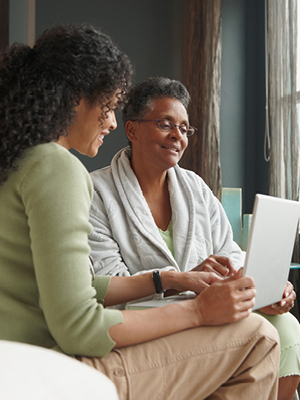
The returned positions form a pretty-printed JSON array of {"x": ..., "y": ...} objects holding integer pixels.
[
  {"x": 46, "y": 295},
  {"x": 168, "y": 237}
]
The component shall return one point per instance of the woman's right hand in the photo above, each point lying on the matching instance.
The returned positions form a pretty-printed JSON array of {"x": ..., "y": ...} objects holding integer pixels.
[
  {"x": 226, "y": 301},
  {"x": 183, "y": 281}
]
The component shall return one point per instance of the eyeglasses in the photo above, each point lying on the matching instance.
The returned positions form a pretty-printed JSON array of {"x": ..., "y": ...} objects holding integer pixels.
[{"x": 167, "y": 125}]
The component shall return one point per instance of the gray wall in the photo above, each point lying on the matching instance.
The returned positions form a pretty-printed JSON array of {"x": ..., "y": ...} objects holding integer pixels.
[
  {"x": 233, "y": 76},
  {"x": 150, "y": 32},
  {"x": 242, "y": 119},
  {"x": 18, "y": 24}
]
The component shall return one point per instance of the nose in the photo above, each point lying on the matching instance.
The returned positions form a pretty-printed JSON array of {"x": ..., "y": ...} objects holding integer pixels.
[
  {"x": 176, "y": 133},
  {"x": 113, "y": 121}
]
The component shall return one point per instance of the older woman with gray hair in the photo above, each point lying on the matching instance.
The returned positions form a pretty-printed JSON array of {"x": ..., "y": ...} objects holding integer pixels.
[
  {"x": 155, "y": 199},
  {"x": 148, "y": 213}
]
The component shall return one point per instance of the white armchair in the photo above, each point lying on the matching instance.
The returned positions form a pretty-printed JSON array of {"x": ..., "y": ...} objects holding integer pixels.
[{"x": 36, "y": 373}]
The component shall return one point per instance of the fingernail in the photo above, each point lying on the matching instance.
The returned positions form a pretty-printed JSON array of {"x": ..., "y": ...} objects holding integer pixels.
[{"x": 282, "y": 303}]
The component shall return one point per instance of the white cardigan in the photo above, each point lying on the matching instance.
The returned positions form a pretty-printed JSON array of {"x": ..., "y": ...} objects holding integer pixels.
[{"x": 125, "y": 238}]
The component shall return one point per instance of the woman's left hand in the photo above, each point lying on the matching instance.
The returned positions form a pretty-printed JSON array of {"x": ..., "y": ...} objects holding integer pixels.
[
  {"x": 222, "y": 266},
  {"x": 283, "y": 306},
  {"x": 177, "y": 282}
]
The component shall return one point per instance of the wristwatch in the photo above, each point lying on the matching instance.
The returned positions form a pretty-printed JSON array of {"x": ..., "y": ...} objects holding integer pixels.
[{"x": 157, "y": 282}]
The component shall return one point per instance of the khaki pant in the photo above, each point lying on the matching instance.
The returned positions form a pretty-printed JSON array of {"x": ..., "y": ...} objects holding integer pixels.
[{"x": 236, "y": 361}]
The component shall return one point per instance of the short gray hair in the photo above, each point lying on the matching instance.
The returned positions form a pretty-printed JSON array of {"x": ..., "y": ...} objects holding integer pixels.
[{"x": 141, "y": 96}]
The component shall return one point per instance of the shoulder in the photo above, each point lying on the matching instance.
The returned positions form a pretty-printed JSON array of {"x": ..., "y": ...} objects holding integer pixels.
[
  {"x": 102, "y": 180},
  {"x": 106, "y": 176},
  {"x": 102, "y": 174},
  {"x": 196, "y": 184},
  {"x": 194, "y": 180},
  {"x": 49, "y": 152},
  {"x": 51, "y": 162}
]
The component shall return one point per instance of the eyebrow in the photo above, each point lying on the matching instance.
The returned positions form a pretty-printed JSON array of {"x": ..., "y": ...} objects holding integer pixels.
[{"x": 169, "y": 117}]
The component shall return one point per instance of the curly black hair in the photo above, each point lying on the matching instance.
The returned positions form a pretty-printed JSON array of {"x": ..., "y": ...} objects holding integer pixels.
[
  {"x": 41, "y": 86},
  {"x": 140, "y": 98}
]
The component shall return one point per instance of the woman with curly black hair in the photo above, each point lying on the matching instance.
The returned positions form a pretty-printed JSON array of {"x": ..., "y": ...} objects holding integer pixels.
[
  {"x": 62, "y": 94},
  {"x": 40, "y": 87}
]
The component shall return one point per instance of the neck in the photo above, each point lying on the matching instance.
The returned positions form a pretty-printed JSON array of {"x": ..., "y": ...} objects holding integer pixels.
[
  {"x": 151, "y": 181},
  {"x": 155, "y": 190},
  {"x": 63, "y": 141}
]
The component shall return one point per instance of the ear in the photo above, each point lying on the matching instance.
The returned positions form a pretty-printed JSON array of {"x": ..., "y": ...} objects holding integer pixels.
[{"x": 131, "y": 130}]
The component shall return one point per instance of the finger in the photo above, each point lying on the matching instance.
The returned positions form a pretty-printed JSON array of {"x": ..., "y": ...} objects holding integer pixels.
[
  {"x": 227, "y": 263},
  {"x": 278, "y": 306},
  {"x": 243, "y": 310},
  {"x": 293, "y": 304},
  {"x": 283, "y": 306},
  {"x": 220, "y": 264},
  {"x": 291, "y": 297},
  {"x": 246, "y": 295},
  {"x": 213, "y": 277},
  {"x": 288, "y": 289},
  {"x": 247, "y": 305},
  {"x": 211, "y": 265},
  {"x": 222, "y": 269},
  {"x": 208, "y": 268},
  {"x": 240, "y": 281},
  {"x": 282, "y": 310},
  {"x": 238, "y": 274},
  {"x": 287, "y": 303},
  {"x": 288, "y": 299}
]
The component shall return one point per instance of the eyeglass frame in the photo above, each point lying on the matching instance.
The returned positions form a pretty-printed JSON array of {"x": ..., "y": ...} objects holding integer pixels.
[{"x": 166, "y": 119}]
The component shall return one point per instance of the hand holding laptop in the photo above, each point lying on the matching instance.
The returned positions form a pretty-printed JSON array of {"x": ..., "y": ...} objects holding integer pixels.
[
  {"x": 269, "y": 251},
  {"x": 227, "y": 300},
  {"x": 283, "y": 306}
]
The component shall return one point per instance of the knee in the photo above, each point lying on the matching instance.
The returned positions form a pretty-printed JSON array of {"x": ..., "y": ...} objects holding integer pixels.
[
  {"x": 287, "y": 326},
  {"x": 262, "y": 326}
]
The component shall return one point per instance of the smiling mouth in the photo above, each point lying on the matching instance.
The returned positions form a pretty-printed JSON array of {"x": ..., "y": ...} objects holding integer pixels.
[{"x": 170, "y": 148}]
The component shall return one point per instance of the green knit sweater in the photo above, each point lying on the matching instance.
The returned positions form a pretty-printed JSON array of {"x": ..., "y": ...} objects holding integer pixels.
[{"x": 46, "y": 294}]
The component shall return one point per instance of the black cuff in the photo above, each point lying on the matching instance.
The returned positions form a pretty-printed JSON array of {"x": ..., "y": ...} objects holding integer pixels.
[{"x": 157, "y": 282}]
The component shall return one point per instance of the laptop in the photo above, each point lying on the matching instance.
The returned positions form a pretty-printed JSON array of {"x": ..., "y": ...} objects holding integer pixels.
[
  {"x": 270, "y": 247},
  {"x": 269, "y": 252}
]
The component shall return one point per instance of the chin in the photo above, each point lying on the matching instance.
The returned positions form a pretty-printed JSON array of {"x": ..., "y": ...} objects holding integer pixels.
[
  {"x": 93, "y": 154},
  {"x": 88, "y": 153}
]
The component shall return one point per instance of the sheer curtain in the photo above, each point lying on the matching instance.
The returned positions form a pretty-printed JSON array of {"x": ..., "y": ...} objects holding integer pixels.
[
  {"x": 283, "y": 139},
  {"x": 202, "y": 76},
  {"x": 283, "y": 103}
]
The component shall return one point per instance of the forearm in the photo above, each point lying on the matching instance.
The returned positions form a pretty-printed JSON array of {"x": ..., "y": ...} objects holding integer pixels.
[
  {"x": 127, "y": 288},
  {"x": 154, "y": 323}
]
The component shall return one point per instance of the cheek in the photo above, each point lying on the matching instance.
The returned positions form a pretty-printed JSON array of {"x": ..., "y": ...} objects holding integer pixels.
[{"x": 185, "y": 144}]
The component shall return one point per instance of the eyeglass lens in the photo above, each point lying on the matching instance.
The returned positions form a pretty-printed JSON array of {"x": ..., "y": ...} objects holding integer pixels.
[{"x": 165, "y": 124}]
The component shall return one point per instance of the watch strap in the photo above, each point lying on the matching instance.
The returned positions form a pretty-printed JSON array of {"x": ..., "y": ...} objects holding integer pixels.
[{"x": 157, "y": 282}]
